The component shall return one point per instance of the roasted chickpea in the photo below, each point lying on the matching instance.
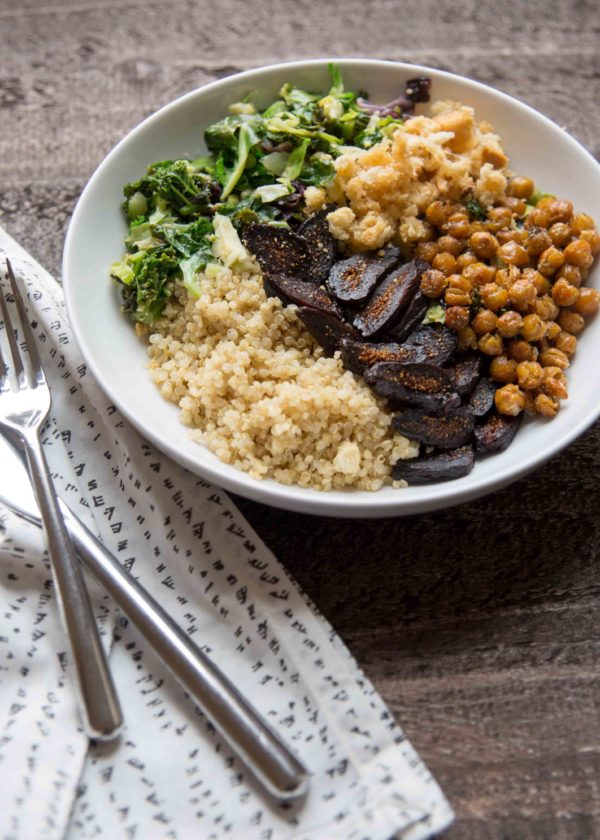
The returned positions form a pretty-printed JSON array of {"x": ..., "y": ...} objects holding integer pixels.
[
  {"x": 479, "y": 273},
  {"x": 465, "y": 259},
  {"x": 458, "y": 292},
  {"x": 509, "y": 400},
  {"x": 541, "y": 283},
  {"x": 457, "y": 317},
  {"x": 433, "y": 283},
  {"x": 451, "y": 245},
  {"x": 534, "y": 329},
  {"x": 560, "y": 210},
  {"x": 571, "y": 322},
  {"x": 560, "y": 234},
  {"x": 538, "y": 239},
  {"x": 552, "y": 330},
  {"x": 426, "y": 251},
  {"x": 522, "y": 294},
  {"x": 503, "y": 369},
  {"x": 539, "y": 217},
  {"x": 564, "y": 294},
  {"x": 457, "y": 225},
  {"x": 582, "y": 221},
  {"x": 520, "y": 350},
  {"x": 587, "y": 302},
  {"x": 579, "y": 253},
  {"x": 467, "y": 339},
  {"x": 554, "y": 358},
  {"x": 546, "y": 308},
  {"x": 493, "y": 296},
  {"x": 506, "y": 235},
  {"x": 498, "y": 218},
  {"x": 550, "y": 261},
  {"x": 517, "y": 206},
  {"x": 505, "y": 277},
  {"x": 509, "y": 324},
  {"x": 520, "y": 187},
  {"x": 546, "y": 406},
  {"x": 438, "y": 212},
  {"x": 592, "y": 237},
  {"x": 445, "y": 262},
  {"x": 513, "y": 254},
  {"x": 484, "y": 322},
  {"x": 566, "y": 342},
  {"x": 570, "y": 273},
  {"x": 491, "y": 344},
  {"x": 483, "y": 244},
  {"x": 554, "y": 383},
  {"x": 529, "y": 375}
]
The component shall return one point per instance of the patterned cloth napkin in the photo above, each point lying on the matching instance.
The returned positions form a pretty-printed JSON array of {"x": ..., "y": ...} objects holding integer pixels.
[{"x": 169, "y": 775}]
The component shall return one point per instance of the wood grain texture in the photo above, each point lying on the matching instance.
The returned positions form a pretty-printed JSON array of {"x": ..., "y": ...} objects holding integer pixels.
[{"x": 480, "y": 624}]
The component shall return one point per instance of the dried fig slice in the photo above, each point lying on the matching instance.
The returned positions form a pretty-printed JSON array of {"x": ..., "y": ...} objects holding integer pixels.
[
  {"x": 292, "y": 290},
  {"x": 435, "y": 343},
  {"x": 466, "y": 373},
  {"x": 321, "y": 247},
  {"x": 326, "y": 328},
  {"x": 357, "y": 356},
  {"x": 419, "y": 385},
  {"x": 412, "y": 317},
  {"x": 439, "y": 466},
  {"x": 497, "y": 433},
  {"x": 391, "y": 299},
  {"x": 352, "y": 280},
  {"x": 481, "y": 401},
  {"x": 451, "y": 430},
  {"x": 278, "y": 249}
]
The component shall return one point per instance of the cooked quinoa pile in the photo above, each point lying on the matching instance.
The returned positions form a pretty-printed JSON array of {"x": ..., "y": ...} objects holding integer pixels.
[{"x": 258, "y": 391}]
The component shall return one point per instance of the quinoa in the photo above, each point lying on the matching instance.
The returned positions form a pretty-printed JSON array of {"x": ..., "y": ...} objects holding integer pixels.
[{"x": 258, "y": 391}]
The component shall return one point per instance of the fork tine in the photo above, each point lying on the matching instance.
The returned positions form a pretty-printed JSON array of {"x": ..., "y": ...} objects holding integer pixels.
[
  {"x": 13, "y": 348},
  {"x": 34, "y": 356}
]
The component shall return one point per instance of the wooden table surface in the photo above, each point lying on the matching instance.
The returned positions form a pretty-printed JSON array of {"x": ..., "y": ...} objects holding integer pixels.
[{"x": 479, "y": 625}]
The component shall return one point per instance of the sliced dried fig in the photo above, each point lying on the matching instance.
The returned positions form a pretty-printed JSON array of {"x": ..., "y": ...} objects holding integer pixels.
[
  {"x": 439, "y": 466},
  {"x": 278, "y": 249},
  {"x": 451, "y": 430},
  {"x": 327, "y": 329},
  {"x": 391, "y": 299},
  {"x": 321, "y": 247},
  {"x": 435, "y": 342},
  {"x": 412, "y": 317},
  {"x": 292, "y": 290},
  {"x": 481, "y": 401},
  {"x": 419, "y": 385},
  {"x": 357, "y": 356},
  {"x": 497, "y": 433},
  {"x": 466, "y": 373},
  {"x": 351, "y": 281}
]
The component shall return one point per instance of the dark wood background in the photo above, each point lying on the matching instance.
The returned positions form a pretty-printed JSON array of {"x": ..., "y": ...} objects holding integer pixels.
[{"x": 479, "y": 625}]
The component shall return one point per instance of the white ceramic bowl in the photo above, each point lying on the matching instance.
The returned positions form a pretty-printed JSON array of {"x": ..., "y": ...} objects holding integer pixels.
[{"x": 536, "y": 146}]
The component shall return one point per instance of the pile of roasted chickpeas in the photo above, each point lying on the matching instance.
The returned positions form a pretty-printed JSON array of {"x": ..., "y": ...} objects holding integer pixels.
[{"x": 512, "y": 285}]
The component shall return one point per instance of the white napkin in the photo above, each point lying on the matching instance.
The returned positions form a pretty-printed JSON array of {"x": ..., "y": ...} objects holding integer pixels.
[{"x": 170, "y": 776}]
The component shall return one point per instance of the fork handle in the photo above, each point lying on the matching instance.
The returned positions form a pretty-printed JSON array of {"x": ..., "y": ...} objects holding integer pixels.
[
  {"x": 241, "y": 725},
  {"x": 100, "y": 708}
]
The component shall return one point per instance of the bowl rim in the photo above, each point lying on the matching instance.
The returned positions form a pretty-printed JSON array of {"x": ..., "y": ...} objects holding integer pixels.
[{"x": 357, "y": 504}]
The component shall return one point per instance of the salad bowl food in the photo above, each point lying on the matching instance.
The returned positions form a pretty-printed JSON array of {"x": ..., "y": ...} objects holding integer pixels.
[{"x": 239, "y": 239}]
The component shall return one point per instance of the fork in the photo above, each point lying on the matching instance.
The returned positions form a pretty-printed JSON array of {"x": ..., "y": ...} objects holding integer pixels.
[{"x": 24, "y": 412}]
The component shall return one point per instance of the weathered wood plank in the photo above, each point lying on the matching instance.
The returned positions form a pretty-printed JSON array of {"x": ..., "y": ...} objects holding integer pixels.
[{"x": 479, "y": 624}]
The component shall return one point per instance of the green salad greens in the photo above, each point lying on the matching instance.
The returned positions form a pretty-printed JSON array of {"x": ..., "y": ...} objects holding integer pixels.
[{"x": 184, "y": 214}]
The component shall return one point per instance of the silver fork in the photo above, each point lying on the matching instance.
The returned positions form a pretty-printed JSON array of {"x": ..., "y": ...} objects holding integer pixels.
[{"x": 24, "y": 411}]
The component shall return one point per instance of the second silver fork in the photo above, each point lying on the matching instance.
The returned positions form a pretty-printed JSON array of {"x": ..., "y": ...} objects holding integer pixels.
[{"x": 24, "y": 411}]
